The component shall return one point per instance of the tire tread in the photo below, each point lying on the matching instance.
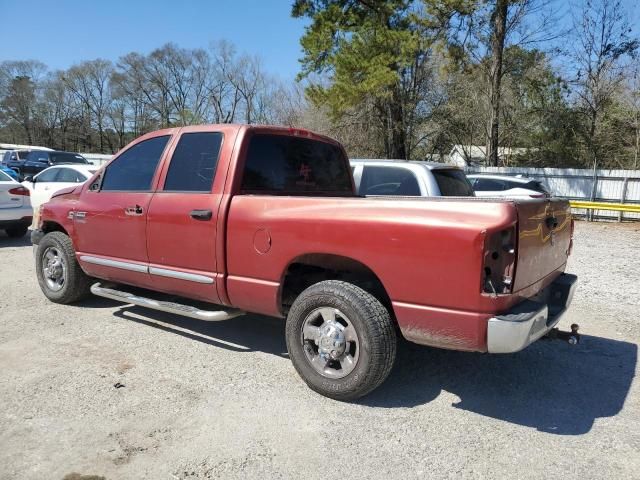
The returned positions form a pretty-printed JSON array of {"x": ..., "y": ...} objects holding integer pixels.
[
  {"x": 78, "y": 283},
  {"x": 382, "y": 335}
]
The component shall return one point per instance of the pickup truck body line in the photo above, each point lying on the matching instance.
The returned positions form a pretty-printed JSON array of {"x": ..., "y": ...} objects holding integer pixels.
[{"x": 427, "y": 253}]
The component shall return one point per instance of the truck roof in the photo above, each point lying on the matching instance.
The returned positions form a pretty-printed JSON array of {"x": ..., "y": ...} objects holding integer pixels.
[{"x": 422, "y": 163}]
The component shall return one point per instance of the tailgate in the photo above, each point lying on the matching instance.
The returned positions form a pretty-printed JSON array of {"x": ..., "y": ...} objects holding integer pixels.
[{"x": 544, "y": 236}]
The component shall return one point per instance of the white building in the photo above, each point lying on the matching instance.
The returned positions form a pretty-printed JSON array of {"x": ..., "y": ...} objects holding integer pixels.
[{"x": 465, "y": 155}]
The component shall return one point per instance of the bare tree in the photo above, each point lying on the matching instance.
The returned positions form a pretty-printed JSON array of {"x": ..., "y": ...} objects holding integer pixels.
[
  {"x": 602, "y": 45},
  {"x": 89, "y": 82}
]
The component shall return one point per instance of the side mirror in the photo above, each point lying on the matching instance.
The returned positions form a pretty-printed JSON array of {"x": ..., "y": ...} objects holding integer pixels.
[{"x": 29, "y": 178}]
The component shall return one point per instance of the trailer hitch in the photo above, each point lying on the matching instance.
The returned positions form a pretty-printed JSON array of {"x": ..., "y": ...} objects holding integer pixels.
[{"x": 572, "y": 337}]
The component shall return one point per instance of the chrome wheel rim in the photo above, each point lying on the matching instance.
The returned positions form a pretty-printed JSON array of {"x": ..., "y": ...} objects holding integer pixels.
[
  {"x": 54, "y": 269},
  {"x": 330, "y": 342}
]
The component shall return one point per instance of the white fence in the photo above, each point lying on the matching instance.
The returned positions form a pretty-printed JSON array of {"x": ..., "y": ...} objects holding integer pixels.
[{"x": 621, "y": 186}]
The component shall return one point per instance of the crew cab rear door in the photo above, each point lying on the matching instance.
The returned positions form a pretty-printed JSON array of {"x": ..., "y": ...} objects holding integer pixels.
[{"x": 183, "y": 215}]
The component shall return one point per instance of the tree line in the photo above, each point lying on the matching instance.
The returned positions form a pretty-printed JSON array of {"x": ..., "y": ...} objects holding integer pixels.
[
  {"x": 531, "y": 82},
  {"x": 99, "y": 106}
]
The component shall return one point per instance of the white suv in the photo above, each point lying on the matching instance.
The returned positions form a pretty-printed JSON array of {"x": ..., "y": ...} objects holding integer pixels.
[{"x": 15, "y": 207}]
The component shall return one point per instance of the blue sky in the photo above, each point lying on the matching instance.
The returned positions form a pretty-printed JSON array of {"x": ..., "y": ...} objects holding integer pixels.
[{"x": 62, "y": 32}]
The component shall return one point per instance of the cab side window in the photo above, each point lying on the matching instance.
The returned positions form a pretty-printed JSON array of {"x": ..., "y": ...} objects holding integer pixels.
[
  {"x": 69, "y": 175},
  {"x": 194, "y": 161},
  {"x": 49, "y": 176},
  {"x": 489, "y": 185},
  {"x": 133, "y": 170}
]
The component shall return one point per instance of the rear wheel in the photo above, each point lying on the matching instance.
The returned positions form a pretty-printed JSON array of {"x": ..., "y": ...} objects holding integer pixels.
[
  {"x": 340, "y": 339},
  {"x": 16, "y": 232},
  {"x": 60, "y": 277}
]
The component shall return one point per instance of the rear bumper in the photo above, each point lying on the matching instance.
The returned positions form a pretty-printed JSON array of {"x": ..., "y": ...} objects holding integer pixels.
[{"x": 529, "y": 320}]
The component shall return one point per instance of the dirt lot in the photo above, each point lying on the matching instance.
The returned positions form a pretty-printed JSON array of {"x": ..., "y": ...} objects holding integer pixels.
[{"x": 198, "y": 400}]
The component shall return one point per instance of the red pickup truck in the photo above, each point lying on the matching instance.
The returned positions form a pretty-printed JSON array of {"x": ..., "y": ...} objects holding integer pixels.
[{"x": 217, "y": 220}]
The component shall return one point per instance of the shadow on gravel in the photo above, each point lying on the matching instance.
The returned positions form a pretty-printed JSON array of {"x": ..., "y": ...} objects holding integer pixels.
[
  {"x": 5, "y": 241},
  {"x": 550, "y": 386},
  {"x": 247, "y": 333}
]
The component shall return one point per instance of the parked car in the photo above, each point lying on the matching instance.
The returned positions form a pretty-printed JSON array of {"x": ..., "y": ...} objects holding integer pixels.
[
  {"x": 409, "y": 178},
  {"x": 268, "y": 221},
  {"x": 38, "y": 160},
  {"x": 506, "y": 186},
  {"x": 52, "y": 179},
  {"x": 15, "y": 207},
  {"x": 9, "y": 171},
  {"x": 14, "y": 158}
]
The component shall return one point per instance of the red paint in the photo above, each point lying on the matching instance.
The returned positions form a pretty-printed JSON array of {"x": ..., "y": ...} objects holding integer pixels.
[{"x": 427, "y": 253}]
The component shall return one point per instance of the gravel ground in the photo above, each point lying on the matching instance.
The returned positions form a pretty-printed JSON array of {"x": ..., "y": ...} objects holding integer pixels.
[{"x": 121, "y": 392}]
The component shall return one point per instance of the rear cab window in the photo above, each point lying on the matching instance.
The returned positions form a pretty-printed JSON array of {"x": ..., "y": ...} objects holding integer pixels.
[
  {"x": 290, "y": 165},
  {"x": 452, "y": 183},
  {"x": 388, "y": 180}
]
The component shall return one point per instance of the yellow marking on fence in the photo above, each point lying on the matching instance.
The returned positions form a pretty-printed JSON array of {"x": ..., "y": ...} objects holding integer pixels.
[{"x": 619, "y": 207}]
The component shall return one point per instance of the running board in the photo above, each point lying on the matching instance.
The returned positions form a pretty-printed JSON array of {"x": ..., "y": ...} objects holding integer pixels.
[{"x": 170, "y": 307}]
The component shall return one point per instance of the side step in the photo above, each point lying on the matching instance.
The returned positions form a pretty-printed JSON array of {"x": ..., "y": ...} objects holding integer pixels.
[{"x": 171, "y": 307}]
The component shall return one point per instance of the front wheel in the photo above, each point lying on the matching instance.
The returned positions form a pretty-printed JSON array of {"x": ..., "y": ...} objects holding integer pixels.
[
  {"x": 341, "y": 340},
  {"x": 60, "y": 277}
]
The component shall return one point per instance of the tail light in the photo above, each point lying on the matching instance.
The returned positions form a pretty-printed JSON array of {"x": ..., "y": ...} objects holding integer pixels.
[
  {"x": 499, "y": 261},
  {"x": 20, "y": 191}
]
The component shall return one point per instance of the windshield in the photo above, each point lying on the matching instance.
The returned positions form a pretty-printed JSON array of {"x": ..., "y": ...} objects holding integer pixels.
[
  {"x": 4, "y": 177},
  {"x": 452, "y": 183},
  {"x": 64, "y": 157}
]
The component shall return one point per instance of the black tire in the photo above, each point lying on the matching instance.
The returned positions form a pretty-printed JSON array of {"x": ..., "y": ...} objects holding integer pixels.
[
  {"x": 76, "y": 284},
  {"x": 17, "y": 232},
  {"x": 375, "y": 330}
]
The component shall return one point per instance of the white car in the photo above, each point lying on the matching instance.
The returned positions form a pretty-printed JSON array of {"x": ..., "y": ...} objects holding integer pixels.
[
  {"x": 505, "y": 186},
  {"x": 52, "y": 179},
  {"x": 15, "y": 207}
]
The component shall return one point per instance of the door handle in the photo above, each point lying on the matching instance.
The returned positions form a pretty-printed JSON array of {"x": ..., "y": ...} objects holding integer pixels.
[
  {"x": 201, "y": 214},
  {"x": 133, "y": 211}
]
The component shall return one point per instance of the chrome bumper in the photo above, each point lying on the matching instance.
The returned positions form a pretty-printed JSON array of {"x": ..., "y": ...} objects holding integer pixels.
[{"x": 531, "y": 319}]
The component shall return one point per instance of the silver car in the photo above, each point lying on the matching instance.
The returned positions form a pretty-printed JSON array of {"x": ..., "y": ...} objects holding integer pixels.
[{"x": 409, "y": 178}]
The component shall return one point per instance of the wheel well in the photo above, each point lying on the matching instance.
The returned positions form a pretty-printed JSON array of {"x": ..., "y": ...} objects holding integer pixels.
[
  {"x": 49, "y": 226},
  {"x": 311, "y": 269}
]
